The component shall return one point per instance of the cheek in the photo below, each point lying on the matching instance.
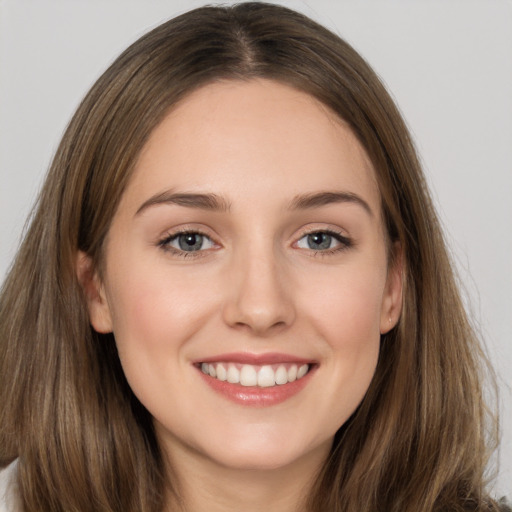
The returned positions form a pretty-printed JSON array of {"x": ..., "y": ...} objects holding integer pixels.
[
  {"x": 155, "y": 319},
  {"x": 347, "y": 317},
  {"x": 352, "y": 333},
  {"x": 347, "y": 307},
  {"x": 152, "y": 300},
  {"x": 154, "y": 316}
]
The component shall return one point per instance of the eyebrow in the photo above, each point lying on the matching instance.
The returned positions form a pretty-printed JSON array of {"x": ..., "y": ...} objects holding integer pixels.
[
  {"x": 213, "y": 202},
  {"x": 316, "y": 200},
  {"x": 210, "y": 202}
]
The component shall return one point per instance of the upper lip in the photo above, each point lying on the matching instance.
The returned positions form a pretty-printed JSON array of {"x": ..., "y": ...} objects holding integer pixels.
[{"x": 255, "y": 359}]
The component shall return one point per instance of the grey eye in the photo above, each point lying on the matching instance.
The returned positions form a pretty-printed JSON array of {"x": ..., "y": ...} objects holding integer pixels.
[
  {"x": 318, "y": 241},
  {"x": 190, "y": 242}
]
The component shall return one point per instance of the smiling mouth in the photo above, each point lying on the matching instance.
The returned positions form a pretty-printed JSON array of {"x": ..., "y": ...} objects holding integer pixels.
[{"x": 262, "y": 376}]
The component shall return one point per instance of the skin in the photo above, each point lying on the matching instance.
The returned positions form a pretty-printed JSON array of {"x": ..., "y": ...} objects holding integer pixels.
[{"x": 257, "y": 287}]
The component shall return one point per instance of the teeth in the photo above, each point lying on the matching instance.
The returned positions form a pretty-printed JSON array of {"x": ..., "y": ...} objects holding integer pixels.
[
  {"x": 248, "y": 375},
  {"x": 302, "y": 371},
  {"x": 266, "y": 377},
  {"x": 233, "y": 374},
  {"x": 281, "y": 375},
  {"x": 222, "y": 374}
]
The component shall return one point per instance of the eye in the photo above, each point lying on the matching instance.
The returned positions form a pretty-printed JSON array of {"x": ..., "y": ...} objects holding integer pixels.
[
  {"x": 187, "y": 242},
  {"x": 323, "y": 241}
]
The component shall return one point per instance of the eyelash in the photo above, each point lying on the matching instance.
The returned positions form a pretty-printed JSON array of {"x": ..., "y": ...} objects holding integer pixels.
[
  {"x": 345, "y": 243},
  {"x": 164, "y": 243}
]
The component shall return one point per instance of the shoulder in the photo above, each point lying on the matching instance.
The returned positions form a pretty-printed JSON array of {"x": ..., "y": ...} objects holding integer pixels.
[{"x": 7, "y": 488}]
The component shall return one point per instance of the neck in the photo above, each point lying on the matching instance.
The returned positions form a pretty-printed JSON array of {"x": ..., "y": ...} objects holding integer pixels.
[{"x": 203, "y": 485}]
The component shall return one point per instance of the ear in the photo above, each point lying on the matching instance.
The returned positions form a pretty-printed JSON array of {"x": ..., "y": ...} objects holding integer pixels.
[
  {"x": 392, "y": 298},
  {"x": 94, "y": 292}
]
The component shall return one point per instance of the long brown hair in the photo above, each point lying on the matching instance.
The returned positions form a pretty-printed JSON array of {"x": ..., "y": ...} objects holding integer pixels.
[{"x": 417, "y": 442}]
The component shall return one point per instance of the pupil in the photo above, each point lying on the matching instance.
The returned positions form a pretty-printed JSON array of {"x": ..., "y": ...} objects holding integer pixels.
[
  {"x": 319, "y": 241},
  {"x": 190, "y": 242}
]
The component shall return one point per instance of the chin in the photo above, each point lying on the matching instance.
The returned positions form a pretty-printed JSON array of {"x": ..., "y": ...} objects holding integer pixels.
[
  {"x": 267, "y": 454},
  {"x": 254, "y": 461}
]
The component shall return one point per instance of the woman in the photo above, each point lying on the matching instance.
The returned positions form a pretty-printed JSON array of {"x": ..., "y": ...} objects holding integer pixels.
[{"x": 234, "y": 293}]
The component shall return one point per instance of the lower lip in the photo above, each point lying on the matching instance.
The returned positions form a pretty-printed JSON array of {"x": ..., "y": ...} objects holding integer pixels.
[{"x": 254, "y": 396}]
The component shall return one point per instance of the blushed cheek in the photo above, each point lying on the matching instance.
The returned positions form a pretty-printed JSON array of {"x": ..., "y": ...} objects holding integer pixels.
[
  {"x": 349, "y": 311},
  {"x": 355, "y": 338},
  {"x": 348, "y": 320},
  {"x": 157, "y": 312},
  {"x": 145, "y": 334}
]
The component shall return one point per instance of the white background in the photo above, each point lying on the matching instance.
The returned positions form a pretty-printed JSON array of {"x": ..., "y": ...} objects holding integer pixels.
[{"x": 448, "y": 64}]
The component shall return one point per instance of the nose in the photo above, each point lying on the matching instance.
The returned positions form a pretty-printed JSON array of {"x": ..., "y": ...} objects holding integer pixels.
[{"x": 260, "y": 296}]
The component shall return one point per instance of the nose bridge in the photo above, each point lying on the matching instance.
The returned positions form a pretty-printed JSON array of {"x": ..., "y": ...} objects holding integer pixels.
[{"x": 259, "y": 298}]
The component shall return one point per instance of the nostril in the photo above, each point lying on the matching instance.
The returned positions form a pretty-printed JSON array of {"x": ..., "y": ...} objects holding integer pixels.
[
  {"x": 261, "y": 327},
  {"x": 255, "y": 314}
]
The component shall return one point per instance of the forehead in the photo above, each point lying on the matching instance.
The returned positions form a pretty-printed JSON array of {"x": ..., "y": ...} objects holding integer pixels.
[{"x": 243, "y": 137}]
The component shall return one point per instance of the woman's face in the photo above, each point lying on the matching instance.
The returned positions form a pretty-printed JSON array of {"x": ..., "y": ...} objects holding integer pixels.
[{"x": 248, "y": 249}]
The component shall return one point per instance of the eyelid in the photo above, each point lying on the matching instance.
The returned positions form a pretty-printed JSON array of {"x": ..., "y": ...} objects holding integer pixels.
[
  {"x": 330, "y": 229},
  {"x": 164, "y": 240},
  {"x": 345, "y": 241}
]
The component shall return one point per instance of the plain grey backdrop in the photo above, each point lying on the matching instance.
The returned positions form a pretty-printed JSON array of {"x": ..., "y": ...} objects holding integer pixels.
[{"x": 448, "y": 64}]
